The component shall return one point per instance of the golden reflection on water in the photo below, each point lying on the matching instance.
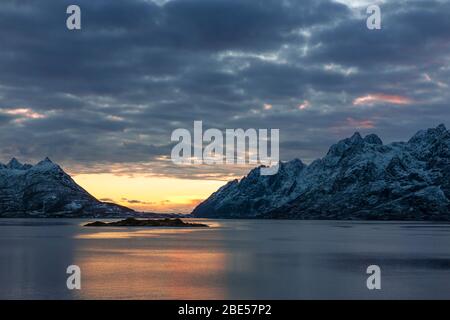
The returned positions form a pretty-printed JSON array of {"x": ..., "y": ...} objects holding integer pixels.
[
  {"x": 131, "y": 265},
  {"x": 138, "y": 232},
  {"x": 151, "y": 233}
]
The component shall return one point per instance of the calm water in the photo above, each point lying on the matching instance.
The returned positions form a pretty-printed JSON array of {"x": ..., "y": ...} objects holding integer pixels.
[{"x": 231, "y": 260}]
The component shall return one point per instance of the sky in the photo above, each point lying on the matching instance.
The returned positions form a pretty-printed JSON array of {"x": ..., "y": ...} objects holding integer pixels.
[{"x": 103, "y": 101}]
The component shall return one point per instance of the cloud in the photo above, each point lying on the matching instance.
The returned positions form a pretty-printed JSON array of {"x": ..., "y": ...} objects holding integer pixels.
[
  {"x": 132, "y": 201},
  {"x": 22, "y": 114},
  {"x": 438, "y": 83},
  {"x": 304, "y": 105},
  {"x": 106, "y": 98},
  {"x": 366, "y": 124},
  {"x": 371, "y": 99}
]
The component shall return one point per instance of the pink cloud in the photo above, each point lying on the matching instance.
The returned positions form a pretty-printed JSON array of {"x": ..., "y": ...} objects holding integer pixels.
[
  {"x": 23, "y": 113},
  {"x": 304, "y": 105},
  {"x": 380, "y": 97},
  {"x": 365, "y": 124}
]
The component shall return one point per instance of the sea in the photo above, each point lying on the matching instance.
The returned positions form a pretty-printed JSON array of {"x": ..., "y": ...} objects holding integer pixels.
[{"x": 231, "y": 259}]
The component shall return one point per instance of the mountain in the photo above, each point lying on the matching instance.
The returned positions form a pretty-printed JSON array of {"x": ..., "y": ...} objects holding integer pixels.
[
  {"x": 45, "y": 190},
  {"x": 359, "y": 178}
]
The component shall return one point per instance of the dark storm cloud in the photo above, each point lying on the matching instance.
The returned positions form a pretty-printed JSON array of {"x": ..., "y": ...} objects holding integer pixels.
[
  {"x": 413, "y": 33},
  {"x": 113, "y": 92}
]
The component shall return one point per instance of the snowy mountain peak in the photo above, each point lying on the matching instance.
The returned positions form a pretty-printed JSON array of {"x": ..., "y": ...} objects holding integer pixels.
[
  {"x": 46, "y": 164},
  {"x": 47, "y": 160},
  {"x": 293, "y": 165},
  {"x": 295, "y": 162},
  {"x": 430, "y": 135},
  {"x": 356, "y": 138},
  {"x": 342, "y": 146},
  {"x": 15, "y": 165},
  {"x": 45, "y": 190},
  {"x": 441, "y": 128},
  {"x": 373, "y": 139}
]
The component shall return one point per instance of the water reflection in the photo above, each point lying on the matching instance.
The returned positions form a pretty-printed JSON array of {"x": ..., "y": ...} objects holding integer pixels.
[
  {"x": 34, "y": 255},
  {"x": 149, "y": 274},
  {"x": 116, "y": 234},
  {"x": 149, "y": 263},
  {"x": 230, "y": 260}
]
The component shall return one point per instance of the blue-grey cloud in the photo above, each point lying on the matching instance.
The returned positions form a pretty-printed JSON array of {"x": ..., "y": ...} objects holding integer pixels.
[{"x": 112, "y": 92}]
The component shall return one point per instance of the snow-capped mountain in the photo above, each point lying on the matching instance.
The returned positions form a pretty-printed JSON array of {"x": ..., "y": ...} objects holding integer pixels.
[
  {"x": 359, "y": 178},
  {"x": 45, "y": 190}
]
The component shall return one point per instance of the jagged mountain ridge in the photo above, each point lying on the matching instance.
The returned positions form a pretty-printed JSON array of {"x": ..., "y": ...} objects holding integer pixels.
[
  {"x": 45, "y": 190},
  {"x": 359, "y": 178}
]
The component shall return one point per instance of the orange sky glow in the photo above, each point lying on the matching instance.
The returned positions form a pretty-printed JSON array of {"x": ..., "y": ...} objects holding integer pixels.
[{"x": 150, "y": 194}]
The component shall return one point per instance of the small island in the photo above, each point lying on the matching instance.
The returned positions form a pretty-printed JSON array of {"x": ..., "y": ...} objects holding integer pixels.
[{"x": 132, "y": 222}]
